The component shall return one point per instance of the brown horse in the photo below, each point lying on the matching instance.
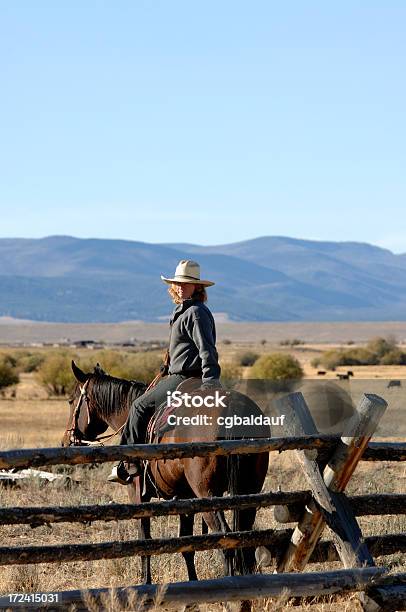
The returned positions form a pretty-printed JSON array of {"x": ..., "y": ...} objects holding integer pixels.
[{"x": 99, "y": 401}]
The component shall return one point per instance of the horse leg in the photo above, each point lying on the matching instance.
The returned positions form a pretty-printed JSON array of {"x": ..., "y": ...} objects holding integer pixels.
[
  {"x": 144, "y": 533},
  {"x": 199, "y": 475},
  {"x": 186, "y": 522},
  {"x": 216, "y": 522},
  {"x": 144, "y": 528}
]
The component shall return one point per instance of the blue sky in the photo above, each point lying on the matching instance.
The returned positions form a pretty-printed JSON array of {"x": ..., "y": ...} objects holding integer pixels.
[{"x": 204, "y": 122}]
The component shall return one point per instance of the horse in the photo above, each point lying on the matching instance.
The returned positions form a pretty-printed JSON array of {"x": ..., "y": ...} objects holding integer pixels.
[{"x": 99, "y": 401}]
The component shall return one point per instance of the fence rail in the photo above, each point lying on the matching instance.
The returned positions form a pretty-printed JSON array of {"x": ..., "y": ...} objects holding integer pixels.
[
  {"x": 274, "y": 539},
  {"x": 390, "y": 591},
  {"x": 174, "y": 596},
  {"x": 289, "y": 503},
  {"x": 37, "y": 457}
]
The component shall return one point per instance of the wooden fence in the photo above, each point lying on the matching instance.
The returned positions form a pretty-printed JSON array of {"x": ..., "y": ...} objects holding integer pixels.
[{"x": 323, "y": 504}]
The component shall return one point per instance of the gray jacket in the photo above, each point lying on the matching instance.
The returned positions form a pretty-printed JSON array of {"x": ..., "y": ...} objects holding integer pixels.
[{"x": 192, "y": 341}]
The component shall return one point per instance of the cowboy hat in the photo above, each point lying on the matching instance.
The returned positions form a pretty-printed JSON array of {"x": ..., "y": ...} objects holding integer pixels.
[{"x": 187, "y": 271}]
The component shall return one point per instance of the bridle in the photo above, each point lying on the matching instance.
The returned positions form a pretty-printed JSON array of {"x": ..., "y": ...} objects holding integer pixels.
[{"x": 75, "y": 438}]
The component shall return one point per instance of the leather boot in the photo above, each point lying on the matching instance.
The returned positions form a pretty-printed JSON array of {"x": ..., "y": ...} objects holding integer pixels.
[{"x": 124, "y": 472}]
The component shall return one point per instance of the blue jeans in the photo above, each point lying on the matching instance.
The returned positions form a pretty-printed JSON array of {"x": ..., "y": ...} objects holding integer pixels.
[{"x": 144, "y": 407}]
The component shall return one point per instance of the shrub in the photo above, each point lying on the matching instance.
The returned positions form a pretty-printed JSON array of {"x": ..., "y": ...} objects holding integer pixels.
[
  {"x": 141, "y": 366},
  {"x": 386, "y": 351},
  {"x": 110, "y": 361},
  {"x": 247, "y": 359},
  {"x": 277, "y": 367},
  {"x": 230, "y": 371},
  {"x": 360, "y": 356},
  {"x": 8, "y": 373},
  {"x": 23, "y": 360},
  {"x": 9, "y": 359},
  {"x": 377, "y": 351},
  {"x": 55, "y": 373},
  {"x": 381, "y": 346},
  {"x": 393, "y": 357},
  {"x": 30, "y": 362},
  {"x": 293, "y": 342},
  {"x": 226, "y": 341}
]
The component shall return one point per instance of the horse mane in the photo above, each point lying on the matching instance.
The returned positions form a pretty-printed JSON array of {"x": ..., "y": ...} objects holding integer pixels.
[{"x": 113, "y": 395}]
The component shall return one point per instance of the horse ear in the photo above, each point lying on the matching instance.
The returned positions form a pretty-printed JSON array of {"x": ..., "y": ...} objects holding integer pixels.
[
  {"x": 99, "y": 370},
  {"x": 79, "y": 374}
]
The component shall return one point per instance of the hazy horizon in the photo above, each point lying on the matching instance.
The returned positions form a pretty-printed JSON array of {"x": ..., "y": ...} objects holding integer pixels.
[{"x": 200, "y": 243}]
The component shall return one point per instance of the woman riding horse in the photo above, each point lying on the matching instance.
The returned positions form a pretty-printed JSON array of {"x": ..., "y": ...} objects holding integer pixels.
[{"x": 192, "y": 354}]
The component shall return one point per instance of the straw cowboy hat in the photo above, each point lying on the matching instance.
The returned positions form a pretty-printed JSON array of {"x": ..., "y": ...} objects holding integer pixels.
[{"x": 187, "y": 271}]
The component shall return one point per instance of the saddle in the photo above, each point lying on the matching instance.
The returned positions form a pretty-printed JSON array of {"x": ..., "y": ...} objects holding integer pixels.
[{"x": 158, "y": 424}]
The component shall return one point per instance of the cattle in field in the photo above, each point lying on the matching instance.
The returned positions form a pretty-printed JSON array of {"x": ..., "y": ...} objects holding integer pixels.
[{"x": 394, "y": 383}]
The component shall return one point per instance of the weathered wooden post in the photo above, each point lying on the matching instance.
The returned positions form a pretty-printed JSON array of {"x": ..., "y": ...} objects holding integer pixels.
[
  {"x": 327, "y": 505},
  {"x": 336, "y": 475}
]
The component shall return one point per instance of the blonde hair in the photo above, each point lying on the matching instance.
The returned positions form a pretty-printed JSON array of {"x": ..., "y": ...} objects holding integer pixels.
[{"x": 198, "y": 294}]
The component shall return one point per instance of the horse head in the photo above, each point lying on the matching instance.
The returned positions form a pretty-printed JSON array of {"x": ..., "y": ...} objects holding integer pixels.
[{"x": 84, "y": 424}]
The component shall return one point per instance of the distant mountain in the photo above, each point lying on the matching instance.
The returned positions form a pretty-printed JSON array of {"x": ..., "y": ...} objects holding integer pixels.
[{"x": 61, "y": 278}]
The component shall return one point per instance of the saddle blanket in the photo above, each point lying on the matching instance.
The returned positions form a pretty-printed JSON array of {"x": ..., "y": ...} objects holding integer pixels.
[{"x": 158, "y": 423}]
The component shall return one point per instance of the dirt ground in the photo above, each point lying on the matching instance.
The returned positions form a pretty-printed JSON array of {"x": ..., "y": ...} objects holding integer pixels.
[
  {"x": 16, "y": 330},
  {"x": 31, "y": 419}
]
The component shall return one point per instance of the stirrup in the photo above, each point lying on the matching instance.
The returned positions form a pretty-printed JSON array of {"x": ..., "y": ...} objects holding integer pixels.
[{"x": 122, "y": 475}]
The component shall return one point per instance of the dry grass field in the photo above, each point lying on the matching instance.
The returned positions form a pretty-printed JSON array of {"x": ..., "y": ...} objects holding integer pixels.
[{"x": 31, "y": 419}]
